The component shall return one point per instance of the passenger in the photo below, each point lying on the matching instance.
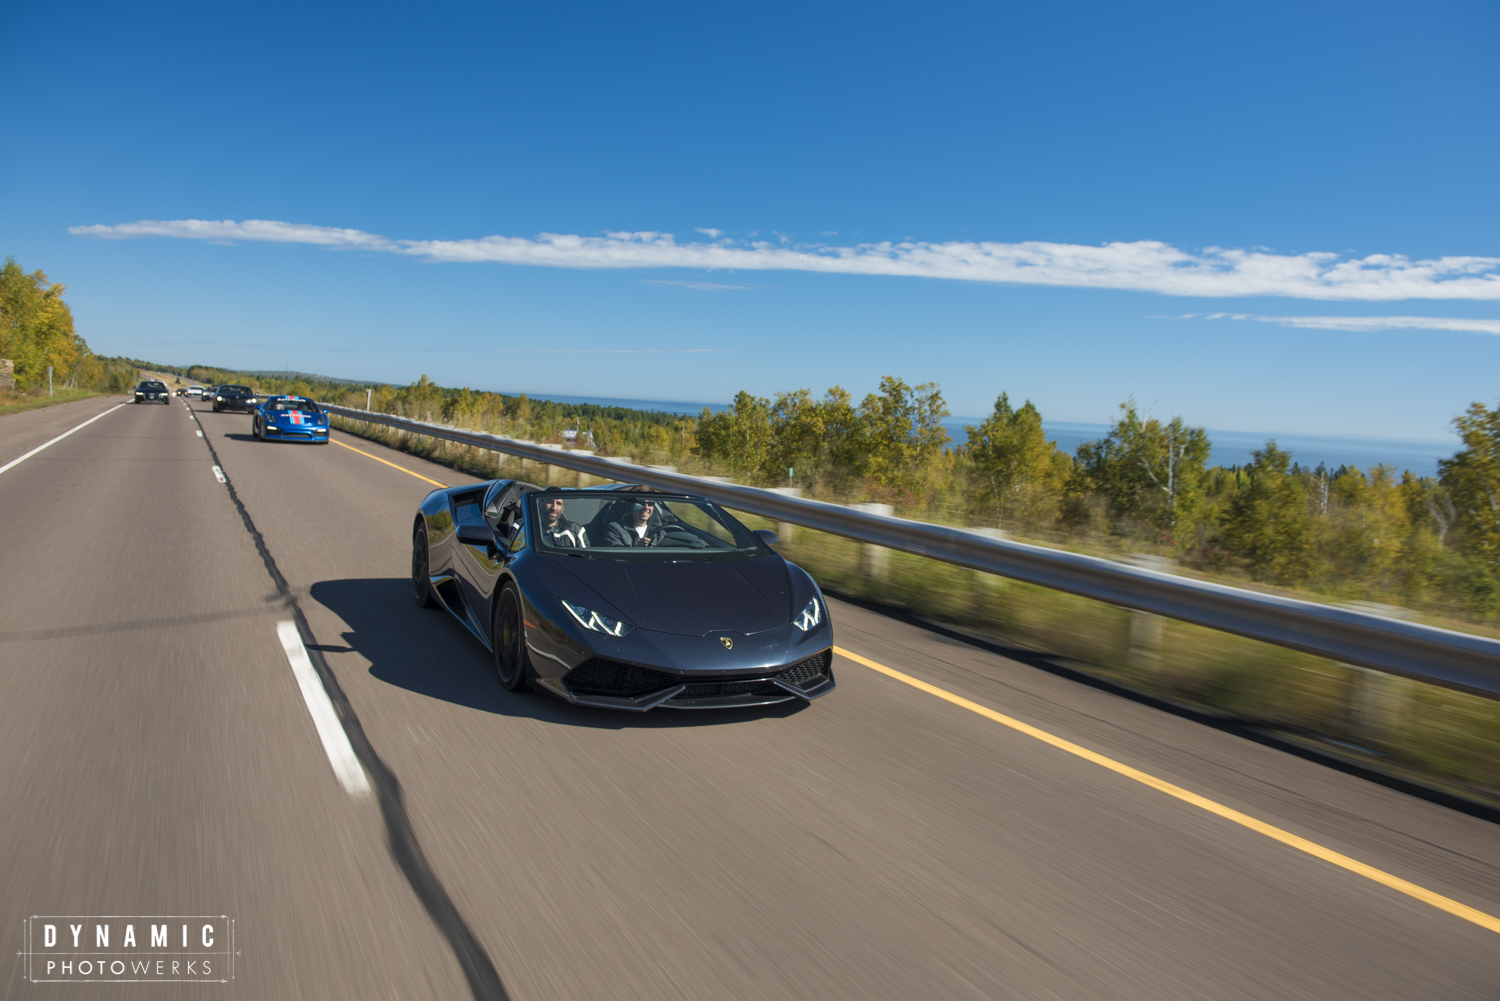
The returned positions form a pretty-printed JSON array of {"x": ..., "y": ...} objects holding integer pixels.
[
  {"x": 635, "y": 528},
  {"x": 558, "y": 531}
]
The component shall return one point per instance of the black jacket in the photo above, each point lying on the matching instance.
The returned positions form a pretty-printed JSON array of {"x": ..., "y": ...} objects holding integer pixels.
[
  {"x": 564, "y": 534},
  {"x": 622, "y": 535}
]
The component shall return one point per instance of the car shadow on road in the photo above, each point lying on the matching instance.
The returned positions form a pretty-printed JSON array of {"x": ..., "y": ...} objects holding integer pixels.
[{"x": 428, "y": 652}]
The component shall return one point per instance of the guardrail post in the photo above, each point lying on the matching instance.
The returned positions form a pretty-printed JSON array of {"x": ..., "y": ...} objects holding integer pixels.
[
  {"x": 785, "y": 530},
  {"x": 1147, "y": 630},
  {"x": 528, "y": 466},
  {"x": 989, "y": 581},
  {"x": 584, "y": 479},
  {"x": 1378, "y": 702},
  {"x": 875, "y": 560},
  {"x": 623, "y": 460},
  {"x": 554, "y": 472}
]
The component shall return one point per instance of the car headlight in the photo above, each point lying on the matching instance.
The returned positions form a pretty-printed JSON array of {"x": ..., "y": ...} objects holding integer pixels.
[
  {"x": 251, "y": 400},
  {"x": 220, "y": 399},
  {"x": 592, "y": 620},
  {"x": 809, "y": 616}
]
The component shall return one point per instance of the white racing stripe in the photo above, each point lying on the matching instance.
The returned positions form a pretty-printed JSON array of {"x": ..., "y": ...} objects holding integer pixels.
[
  {"x": 335, "y": 741},
  {"x": 54, "y": 441}
]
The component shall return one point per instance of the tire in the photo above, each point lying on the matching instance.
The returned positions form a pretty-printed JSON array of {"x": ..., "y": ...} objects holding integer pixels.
[
  {"x": 512, "y": 665},
  {"x": 421, "y": 580}
]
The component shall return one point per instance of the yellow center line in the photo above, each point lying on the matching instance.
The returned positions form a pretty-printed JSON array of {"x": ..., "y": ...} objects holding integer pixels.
[
  {"x": 377, "y": 458},
  {"x": 1426, "y": 896}
]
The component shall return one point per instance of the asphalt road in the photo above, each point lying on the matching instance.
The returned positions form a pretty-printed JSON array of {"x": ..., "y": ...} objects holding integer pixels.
[{"x": 880, "y": 843}]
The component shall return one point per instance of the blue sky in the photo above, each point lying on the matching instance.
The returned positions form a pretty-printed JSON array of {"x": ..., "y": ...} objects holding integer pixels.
[{"x": 1272, "y": 217}]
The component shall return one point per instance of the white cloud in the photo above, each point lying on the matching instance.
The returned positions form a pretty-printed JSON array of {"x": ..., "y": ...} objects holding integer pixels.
[
  {"x": 1361, "y": 323},
  {"x": 712, "y": 234},
  {"x": 1144, "y": 265},
  {"x": 228, "y": 231}
]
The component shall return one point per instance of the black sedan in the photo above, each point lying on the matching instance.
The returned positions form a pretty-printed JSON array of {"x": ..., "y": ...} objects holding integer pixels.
[
  {"x": 152, "y": 391},
  {"x": 622, "y": 597},
  {"x": 234, "y": 398}
]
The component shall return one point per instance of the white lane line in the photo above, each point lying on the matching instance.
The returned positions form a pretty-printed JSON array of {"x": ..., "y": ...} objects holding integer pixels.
[
  {"x": 335, "y": 741},
  {"x": 54, "y": 441},
  {"x": 200, "y": 434},
  {"x": 219, "y": 475}
]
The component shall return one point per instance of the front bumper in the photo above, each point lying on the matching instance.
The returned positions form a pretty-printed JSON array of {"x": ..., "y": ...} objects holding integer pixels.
[
  {"x": 305, "y": 433},
  {"x": 610, "y": 684}
]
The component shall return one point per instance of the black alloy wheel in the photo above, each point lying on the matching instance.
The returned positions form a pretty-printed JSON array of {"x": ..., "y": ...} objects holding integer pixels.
[
  {"x": 421, "y": 580},
  {"x": 511, "y": 662}
]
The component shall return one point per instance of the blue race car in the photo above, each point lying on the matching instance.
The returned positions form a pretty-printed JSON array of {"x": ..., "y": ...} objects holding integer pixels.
[{"x": 289, "y": 418}]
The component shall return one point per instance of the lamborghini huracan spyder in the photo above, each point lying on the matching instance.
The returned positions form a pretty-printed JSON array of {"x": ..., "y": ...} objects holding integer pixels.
[{"x": 622, "y": 597}]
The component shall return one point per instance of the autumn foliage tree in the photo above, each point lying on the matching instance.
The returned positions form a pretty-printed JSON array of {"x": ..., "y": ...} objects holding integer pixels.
[
  {"x": 36, "y": 329},
  {"x": 1015, "y": 469},
  {"x": 1471, "y": 484}
]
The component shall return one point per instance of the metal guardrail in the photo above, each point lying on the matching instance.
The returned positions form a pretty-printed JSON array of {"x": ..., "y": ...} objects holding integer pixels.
[{"x": 1438, "y": 656}]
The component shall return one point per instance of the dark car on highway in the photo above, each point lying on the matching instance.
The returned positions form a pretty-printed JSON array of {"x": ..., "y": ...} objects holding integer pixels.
[
  {"x": 234, "y": 398},
  {"x": 152, "y": 391},
  {"x": 622, "y": 597}
]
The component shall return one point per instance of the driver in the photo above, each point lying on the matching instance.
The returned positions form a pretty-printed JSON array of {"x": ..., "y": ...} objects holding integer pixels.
[
  {"x": 559, "y": 531},
  {"x": 635, "y": 528}
]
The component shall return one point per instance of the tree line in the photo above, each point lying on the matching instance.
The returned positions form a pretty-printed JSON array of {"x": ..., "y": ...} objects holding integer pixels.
[
  {"x": 36, "y": 331},
  {"x": 1378, "y": 534}
]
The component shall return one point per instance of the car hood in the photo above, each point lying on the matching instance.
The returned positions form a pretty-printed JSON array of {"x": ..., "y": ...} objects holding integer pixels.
[{"x": 690, "y": 599}]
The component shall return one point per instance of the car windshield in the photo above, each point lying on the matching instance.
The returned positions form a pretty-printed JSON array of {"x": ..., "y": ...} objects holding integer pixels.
[
  {"x": 150, "y": 385},
  {"x": 234, "y": 389},
  {"x": 306, "y": 406},
  {"x": 663, "y": 528}
]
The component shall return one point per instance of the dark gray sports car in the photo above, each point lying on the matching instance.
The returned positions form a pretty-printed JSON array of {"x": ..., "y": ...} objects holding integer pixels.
[{"x": 622, "y": 597}]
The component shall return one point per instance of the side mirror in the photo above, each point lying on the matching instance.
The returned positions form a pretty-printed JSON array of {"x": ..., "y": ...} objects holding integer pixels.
[
  {"x": 768, "y": 537},
  {"x": 476, "y": 535}
]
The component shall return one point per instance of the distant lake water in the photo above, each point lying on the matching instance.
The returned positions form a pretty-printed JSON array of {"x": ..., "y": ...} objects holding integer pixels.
[
  {"x": 666, "y": 406},
  {"x": 1230, "y": 448},
  {"x": 1233, "y": 448}
]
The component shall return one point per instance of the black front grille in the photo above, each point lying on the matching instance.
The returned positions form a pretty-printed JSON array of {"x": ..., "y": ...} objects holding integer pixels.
[
  {"x": 627, "y": 681},
  {"x": 722, "y": 689},
  {"x": 807, "y": 673},
  {"x": 616, "y": 680}
]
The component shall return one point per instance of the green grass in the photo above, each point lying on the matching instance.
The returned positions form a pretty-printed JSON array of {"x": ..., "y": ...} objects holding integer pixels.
[
  {"x": 1441, "y": 738},
  {"x": 12, "y": 403}
]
